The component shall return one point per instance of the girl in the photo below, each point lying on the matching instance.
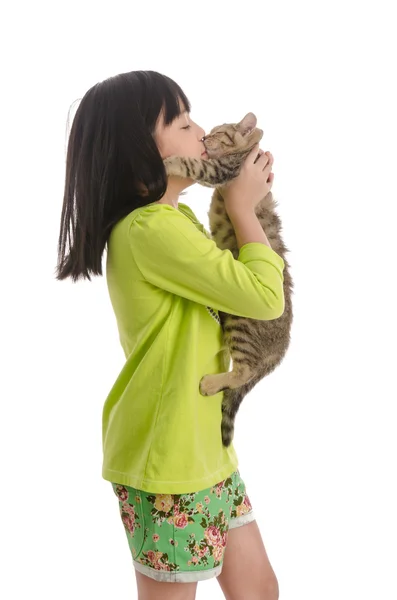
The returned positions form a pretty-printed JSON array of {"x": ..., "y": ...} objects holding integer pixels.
[{"x": 181, "y": 498}]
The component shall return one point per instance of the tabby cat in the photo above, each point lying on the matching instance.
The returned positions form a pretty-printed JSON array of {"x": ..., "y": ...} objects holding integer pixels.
[{"x": 256, "y": 347}]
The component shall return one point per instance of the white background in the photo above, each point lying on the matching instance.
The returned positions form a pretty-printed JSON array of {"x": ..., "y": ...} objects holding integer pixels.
[{"x": 317, "y": 439}]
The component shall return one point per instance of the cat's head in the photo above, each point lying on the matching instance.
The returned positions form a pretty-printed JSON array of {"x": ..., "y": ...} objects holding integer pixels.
[{"x": 233, "y": 138}]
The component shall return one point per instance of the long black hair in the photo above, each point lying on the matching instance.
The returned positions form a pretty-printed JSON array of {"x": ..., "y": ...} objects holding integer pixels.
[{"x": 111, "y": 152}]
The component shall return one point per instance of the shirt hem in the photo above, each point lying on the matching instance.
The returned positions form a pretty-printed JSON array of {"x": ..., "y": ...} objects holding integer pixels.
[{"x": 169, "y": 487}]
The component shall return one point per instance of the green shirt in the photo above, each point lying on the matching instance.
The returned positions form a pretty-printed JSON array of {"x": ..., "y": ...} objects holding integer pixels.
[{"x": 167, "y": 280}]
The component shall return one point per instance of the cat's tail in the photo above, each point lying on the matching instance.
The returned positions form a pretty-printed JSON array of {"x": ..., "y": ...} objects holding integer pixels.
[
  {"x": 232, "y": 398},
  {"x": 230, "y": 405}
]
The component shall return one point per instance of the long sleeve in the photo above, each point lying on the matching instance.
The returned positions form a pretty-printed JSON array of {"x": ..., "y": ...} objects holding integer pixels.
[{"x": 172, "y": 254}]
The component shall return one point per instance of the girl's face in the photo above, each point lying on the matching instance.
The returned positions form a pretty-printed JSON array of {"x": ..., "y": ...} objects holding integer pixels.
[{"x": 181, "y": 138}]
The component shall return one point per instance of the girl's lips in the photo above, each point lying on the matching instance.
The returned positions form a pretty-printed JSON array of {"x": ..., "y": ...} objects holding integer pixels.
[{"x": 205, "y": 155}]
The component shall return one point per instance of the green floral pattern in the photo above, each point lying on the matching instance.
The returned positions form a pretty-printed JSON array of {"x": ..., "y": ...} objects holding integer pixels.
[{"x": 181, "y": 532}]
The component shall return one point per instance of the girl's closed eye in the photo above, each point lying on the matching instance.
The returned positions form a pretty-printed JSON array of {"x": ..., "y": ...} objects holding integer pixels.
[{"x": 187, "y": 127}]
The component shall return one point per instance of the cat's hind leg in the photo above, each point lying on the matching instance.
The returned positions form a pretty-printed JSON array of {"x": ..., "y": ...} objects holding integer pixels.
[{"x": 212, "y": 384}]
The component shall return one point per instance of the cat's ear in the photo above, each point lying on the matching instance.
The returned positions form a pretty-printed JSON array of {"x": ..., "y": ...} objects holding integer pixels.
[{"x": 247, "y": 124}]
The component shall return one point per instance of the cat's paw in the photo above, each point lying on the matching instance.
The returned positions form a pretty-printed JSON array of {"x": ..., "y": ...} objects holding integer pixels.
[
  {"x": 209, "y": 385},
  {"x": 174, "y": 166}
]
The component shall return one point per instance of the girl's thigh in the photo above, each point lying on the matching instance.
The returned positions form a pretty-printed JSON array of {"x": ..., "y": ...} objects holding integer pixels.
[
  {"x": 149, "y": 588},
  {"x": 247, "y": 572}
]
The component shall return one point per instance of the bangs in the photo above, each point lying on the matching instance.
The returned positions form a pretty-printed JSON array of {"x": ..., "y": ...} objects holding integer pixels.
[{"x": 172, "y": 96}]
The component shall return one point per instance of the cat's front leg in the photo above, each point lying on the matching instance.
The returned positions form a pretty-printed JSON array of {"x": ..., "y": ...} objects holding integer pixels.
[
  {"x": 191, "y": 168},
  {"x": 210, "y": 173}
]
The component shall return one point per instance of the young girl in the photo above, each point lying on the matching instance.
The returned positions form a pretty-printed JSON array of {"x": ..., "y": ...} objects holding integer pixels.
[{"x": 182, "y": 500}]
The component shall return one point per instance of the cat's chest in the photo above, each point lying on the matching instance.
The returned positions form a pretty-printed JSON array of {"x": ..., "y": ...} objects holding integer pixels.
[{"x": 221, "y": 227}]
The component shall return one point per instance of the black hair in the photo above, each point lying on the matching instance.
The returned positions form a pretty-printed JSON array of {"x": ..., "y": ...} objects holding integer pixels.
[{"x": 111, "y": 152}]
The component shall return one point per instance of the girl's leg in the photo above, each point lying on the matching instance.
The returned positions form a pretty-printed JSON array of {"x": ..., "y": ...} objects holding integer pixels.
[
  {"x": 150, "y": 589},
  {"x": 247, "y": 572}
]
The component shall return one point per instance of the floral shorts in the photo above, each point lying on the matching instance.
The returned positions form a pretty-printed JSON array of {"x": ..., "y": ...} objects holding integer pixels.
[{"x": 182, "y": 537}]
